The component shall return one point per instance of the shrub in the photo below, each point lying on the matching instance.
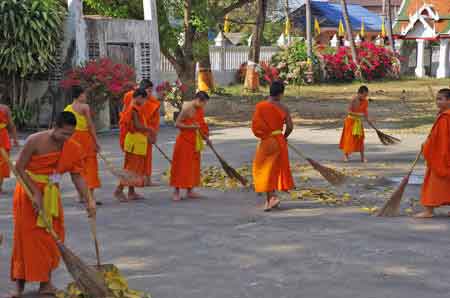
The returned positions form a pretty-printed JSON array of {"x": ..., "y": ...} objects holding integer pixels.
[{"x": 172, "y": 93}]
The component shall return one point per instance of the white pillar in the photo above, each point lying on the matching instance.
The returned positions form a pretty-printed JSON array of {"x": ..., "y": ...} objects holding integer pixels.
[
  {"x": 420, "y": 68},
  {"x": 443, "y": 70},
  {"x": 334, "y": 41},
  {"x": 75, "y": 8},
  {"x": 150, "y": 14},
  {"x": 358, "y": 40},
  {"x": 219, "y": 40},
  {"x": 282, "y": 42}
]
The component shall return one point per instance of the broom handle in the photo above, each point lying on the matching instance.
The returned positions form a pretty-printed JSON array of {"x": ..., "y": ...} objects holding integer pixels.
[
  {"x": 210, "y": 145},
  {"x": 28, "y": 193},
  {"x": 93, "y": 223},
  {"x": 298, "y": 151},
  {"x": 415, "y": 162},
  {"x": 162, "y": 153},
  {"x": 109, "y": 165}
]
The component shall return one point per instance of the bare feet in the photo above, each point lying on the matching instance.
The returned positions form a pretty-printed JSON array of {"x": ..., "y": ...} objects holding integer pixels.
[
  {"x": 20, "y": 288},
  {"x": 364, "y": 160},
  {"x": 346, "y": 158},
  {"x": 119, "y": 195},
  {"x": 267, "y": 207},
  {"x": 176, "y": 197},
  {"x": 424, "y": 215},
  {"x": 134, "y": 197},
  {"x": 274, "y": 202},
  {"x": 47, "y": 289},
  {"x": 193, "y": 195}
]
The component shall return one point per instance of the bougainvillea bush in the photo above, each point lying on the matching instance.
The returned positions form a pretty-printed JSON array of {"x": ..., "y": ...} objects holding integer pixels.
[
  {"x": 172, "y": 93},
  {"x": 376, "y": 62},
  {"x": 104, "y": 79}
]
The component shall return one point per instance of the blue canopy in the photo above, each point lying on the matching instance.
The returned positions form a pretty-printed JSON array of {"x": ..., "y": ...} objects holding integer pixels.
[{"x": 329, "y": 15}]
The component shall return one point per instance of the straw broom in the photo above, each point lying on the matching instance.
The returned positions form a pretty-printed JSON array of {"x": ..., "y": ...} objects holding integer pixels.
[
  {"x": 332, "y": 176},
  {"x": 125, "y": 177},
  {"x": 385, "y": 139},
  {"x": 392, "y": 206},
  {"x": 84, "y": 276},
  {"x": 230, "y": 171}
]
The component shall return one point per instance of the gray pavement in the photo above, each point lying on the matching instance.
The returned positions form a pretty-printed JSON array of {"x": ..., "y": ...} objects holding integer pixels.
[{"x": 223, "y": 246}]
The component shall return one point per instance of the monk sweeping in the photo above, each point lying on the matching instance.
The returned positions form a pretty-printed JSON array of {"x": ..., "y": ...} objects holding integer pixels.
[
  {"x": 6, "y": 125},
  {"x": 137, "y": 147},
  {"x": 352, "y": 139},
  {"x": 44, "y": 158},
  {"x": 127, "y": 100},
  {"x": 271, "y": 169},
  {"x": 185, "y": 170},
  {"x": 85, "y": 135},
  {"x": 436, "y": 151}
]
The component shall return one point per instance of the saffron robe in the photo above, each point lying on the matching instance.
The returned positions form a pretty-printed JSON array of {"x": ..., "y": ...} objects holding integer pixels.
[
  {"x": 136, "y": 163},
  {"x": 126, "y": 105},
  {"x": 83, "y": 136},
  {"x": 436, "y": 186},
  {"x": 185, "y": 170},
  {"x": 349, "y": 141},
  {"x": 4, "y": 143},
  {"x": 271, "y": 169},
  {"x": 35, "y": 254}
]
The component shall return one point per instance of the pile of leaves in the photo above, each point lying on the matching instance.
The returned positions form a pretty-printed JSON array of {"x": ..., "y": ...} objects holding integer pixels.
[
  {"x": 321, "y": 195},
  {"x": 376, "y": 62},
  {"x": 215, "y": 177},
  {"x": 104, "y": 79},
  {"x": 115, "y": 282}
]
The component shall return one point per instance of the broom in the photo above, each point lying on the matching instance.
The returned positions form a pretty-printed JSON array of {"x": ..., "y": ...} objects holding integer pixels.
[
  {"x": 84, "y": 276},
  {"x": 163, "y": 153},
  {"x": 385, "y": 139},
  {"x": 93, "y": 223},
  {"x": 125, "y": 177},
  {"x": 230, "y": 171},
  {"x": 332, "y": 176}
]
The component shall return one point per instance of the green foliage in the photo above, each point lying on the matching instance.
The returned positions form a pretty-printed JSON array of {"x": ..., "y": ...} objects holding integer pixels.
[
  {"x": 132, "y": 9},
  {"x": 22, "y": 115},
  {"x": 29, "y": 34}
]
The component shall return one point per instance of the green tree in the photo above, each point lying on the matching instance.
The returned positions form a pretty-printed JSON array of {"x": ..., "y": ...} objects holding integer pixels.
[{"x": 30, "y": 31}]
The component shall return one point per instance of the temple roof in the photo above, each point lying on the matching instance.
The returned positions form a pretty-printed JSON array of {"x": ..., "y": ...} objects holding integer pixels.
[{"x": 434, "y": 15}]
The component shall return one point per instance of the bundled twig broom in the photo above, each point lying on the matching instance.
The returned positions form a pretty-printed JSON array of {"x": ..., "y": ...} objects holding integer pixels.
[
  {"x": 125, "y": 177},
  {"x": 332, "y": 176},
  {"x": 85, "y": 277},
  {"x": 385, "y": 139},
  {"x": 392, "y": 206},
  {"x": 230, "y": 171}
]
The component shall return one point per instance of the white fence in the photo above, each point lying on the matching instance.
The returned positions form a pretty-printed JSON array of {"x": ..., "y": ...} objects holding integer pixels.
[{"x": 225, "y": 62}]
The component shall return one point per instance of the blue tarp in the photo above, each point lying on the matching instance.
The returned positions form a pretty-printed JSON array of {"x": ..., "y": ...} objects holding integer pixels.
[{"x": 329, "y": 15}]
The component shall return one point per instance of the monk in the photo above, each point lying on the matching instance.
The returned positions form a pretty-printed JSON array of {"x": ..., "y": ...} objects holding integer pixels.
[
  {"x": 436, "y": 151},
  {"x": 44, "y": 158},
  {"x": 126, "y": 104},
  {"x": 352, "y": 139},
  {"x": 6, "y": 125},
  {"x": 150, "y": 110},
  {"x": 185, "y": 170},
  {"x": 85, "y": 135},
  {"x": 272, "y": 124},
  {"x": 137, "y": 147}
]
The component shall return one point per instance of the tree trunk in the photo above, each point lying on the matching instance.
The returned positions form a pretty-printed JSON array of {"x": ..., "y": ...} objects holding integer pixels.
[
  {"x": 251, "y": 77},
  {"x": 389, "y": 25},
  {"x": 205, "y": 75},
  {"x": 350, "y": 37}
]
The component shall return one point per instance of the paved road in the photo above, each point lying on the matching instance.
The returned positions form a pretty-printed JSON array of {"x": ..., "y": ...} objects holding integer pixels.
[{"x": 224, "y": 247}]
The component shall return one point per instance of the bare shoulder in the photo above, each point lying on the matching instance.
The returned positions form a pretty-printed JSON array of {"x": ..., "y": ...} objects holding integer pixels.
[{"x": 35, "y": 140}]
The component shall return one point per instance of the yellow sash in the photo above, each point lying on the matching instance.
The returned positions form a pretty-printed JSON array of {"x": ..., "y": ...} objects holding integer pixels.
[
  {"x": 2, "y": 125},
  {"x": 199, "y": 144},
  {"x": 276, "y": 133},
  {"x": 358, "y": 129},
  {"x": 50, "y": 199},
  {"x": 82, "y": 124},
  {"x": 136, "y": 143}
]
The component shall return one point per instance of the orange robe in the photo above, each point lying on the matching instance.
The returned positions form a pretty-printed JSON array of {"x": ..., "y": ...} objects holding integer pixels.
[
  {"x": 83, "y": 136},
  {"x": 349, "y": 142},
  {"x": 436, "y": 186},
  {"x": 35, "y": 253},
  {"x": 127, "y": 103},
  {"x": 138, "y": 164},
  {"x": 271, "y": 169},
  {"x": 4, "y": 143},
  {"x": 185, "y": 170},
  {"x": 150, "y": 111}
]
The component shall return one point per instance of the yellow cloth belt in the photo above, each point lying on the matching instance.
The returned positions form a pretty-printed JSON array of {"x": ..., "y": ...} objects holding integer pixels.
[
  {"x": 358, "y": 129},
  {"x": 82, "y": 124},
  {"x": 50, "y": 199},
  {"x": 199, "y": 144},
  {"x": 276, "y": 132},
  {"x": 136, "y": 143},
  {"x": 2, "y": 125}
]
